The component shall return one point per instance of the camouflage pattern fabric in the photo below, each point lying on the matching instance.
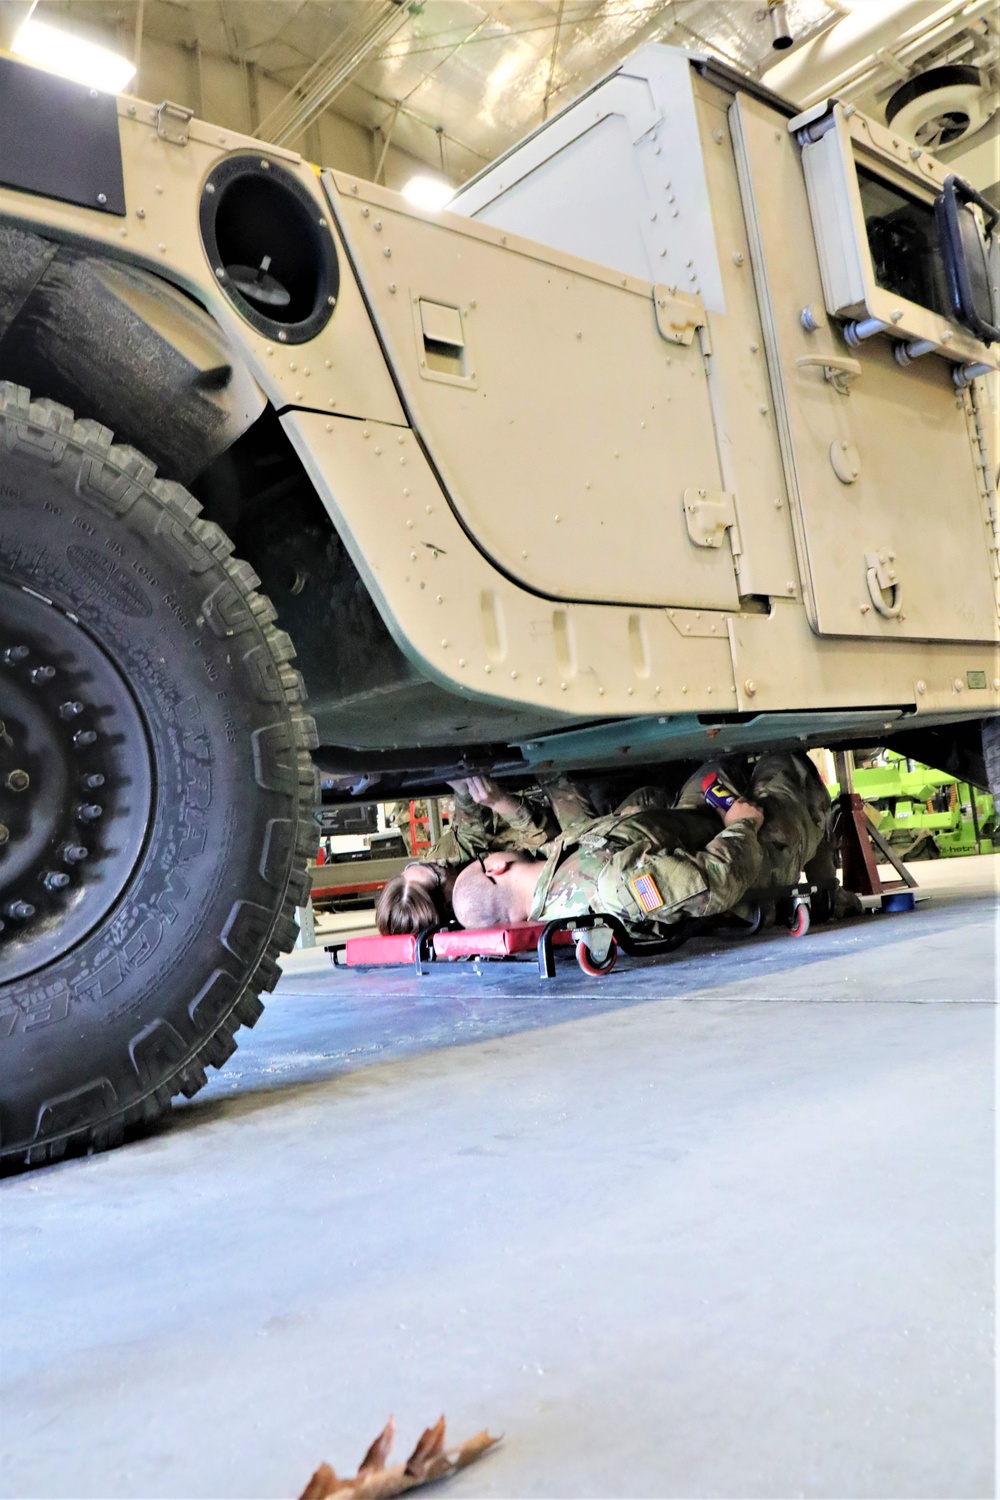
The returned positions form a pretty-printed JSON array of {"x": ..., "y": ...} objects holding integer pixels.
[
  {"x": 655, "y": 866},
  {"x": 476, "y": 830},
  {"x": 570, "y": 808},
  {"x": 797, "y": 812},
  {"x": 796, "y": 806},
  {"x": 560, "y": 808},
  {"x": 642, "y": 798}
]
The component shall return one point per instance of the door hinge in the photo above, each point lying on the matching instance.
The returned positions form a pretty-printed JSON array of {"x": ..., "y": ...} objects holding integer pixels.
[
  {"x": 678, "y": 314},
  {"x": 979, "y": 443},
  {"x": 709, "y": 514}
]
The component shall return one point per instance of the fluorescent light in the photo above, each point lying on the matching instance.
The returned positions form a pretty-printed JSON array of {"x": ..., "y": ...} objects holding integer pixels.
[
  {"x": 428, "y": 192},
  {"x": 72, "y": 57}
]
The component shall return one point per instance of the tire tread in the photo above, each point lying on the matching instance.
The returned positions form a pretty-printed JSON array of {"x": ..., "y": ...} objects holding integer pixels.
[{"x": 180, "y": 516}]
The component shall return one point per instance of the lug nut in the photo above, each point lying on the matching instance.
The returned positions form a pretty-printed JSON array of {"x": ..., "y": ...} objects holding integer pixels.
[
  {"x": 70, "y": 709},
  {"x": 73, "y": 853},
  {"x": 93, "y": 782},
  {"x": 14, "y": 654},
  {"x": 84, "y": 737},
  {"x": 88, "y": 812},
  {"x": 55, "y": 880},
  {"x": 42, "y": 674},
  {"x": 19, "y": 911},
  {"x": 17, "y": 781},
  {"x": 4, "y": 834}
]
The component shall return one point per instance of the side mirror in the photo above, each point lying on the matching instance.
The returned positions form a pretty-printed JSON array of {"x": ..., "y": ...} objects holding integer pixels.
[{"x": 967, "y": 251}]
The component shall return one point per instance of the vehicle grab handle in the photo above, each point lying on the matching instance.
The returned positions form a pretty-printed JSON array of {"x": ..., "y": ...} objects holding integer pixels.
[{"x": 838, "y": 369}]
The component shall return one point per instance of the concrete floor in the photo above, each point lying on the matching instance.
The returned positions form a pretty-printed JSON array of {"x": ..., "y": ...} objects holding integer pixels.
[{"x": 722, "y": 1226}]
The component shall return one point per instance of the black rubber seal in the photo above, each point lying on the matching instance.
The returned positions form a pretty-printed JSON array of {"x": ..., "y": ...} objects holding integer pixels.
[{"x": 252, "y": 207}]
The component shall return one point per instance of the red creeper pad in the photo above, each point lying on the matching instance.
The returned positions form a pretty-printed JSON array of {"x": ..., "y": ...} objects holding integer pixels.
[
  {"x": 396, "y": 948},
  {"x": 493, "y": 942}
]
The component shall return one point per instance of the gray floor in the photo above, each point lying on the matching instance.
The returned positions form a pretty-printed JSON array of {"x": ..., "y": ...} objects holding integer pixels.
[{"x": 720, "y": 1226}]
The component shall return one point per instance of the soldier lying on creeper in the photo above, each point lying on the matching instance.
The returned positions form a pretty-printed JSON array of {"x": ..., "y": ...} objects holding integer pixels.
[
  {"x": 486, "y": 819},
  {"x": 650, "y": 865}
]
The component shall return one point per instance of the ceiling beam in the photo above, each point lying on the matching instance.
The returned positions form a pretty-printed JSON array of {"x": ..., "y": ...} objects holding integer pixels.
[{"x": 374, "y": 24}]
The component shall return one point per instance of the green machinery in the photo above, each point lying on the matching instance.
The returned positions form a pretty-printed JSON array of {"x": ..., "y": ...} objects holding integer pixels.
[{"x": 925, "y": 813}]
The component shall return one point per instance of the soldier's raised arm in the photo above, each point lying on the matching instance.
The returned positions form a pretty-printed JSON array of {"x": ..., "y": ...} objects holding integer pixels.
[
  {"x": 530, "y": 821},
  {"x": 470, "y": 833}
]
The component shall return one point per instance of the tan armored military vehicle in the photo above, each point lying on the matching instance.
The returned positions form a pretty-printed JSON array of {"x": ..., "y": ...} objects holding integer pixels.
[{"x": 670, "y": 437}]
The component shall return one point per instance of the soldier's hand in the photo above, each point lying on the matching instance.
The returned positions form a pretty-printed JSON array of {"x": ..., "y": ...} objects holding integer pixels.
[
  {"x": 481, "y": 789},
  {"x": 743, "y": 810},
  {"x": 485, "y": 791}
]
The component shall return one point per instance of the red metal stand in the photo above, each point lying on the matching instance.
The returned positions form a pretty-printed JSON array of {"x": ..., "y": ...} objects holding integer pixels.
[
  {"x": 857, "y": 836},
  {"x": 417, "y": 845}
]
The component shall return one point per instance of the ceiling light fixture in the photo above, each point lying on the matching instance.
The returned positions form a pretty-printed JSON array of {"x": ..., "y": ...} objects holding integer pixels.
[
  {"x": 71, "y": 57},
  {"x": 428, "y": 192}
]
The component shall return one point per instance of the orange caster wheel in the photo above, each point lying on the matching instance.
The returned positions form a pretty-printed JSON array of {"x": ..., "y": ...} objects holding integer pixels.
[
  {"x": 799, "y": 925},
  {"x": 591, "y": 965}
]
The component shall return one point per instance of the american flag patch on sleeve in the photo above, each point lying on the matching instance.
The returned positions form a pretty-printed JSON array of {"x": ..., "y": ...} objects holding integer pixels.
[{"x": 646, "y": 892}]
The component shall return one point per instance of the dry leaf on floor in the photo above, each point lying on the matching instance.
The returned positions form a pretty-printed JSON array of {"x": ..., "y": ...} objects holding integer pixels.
[{"x": 430, "y": 1460}]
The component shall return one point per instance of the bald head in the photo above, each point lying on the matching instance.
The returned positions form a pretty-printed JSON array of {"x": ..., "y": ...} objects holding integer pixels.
[{"x": 496, "y": 892}]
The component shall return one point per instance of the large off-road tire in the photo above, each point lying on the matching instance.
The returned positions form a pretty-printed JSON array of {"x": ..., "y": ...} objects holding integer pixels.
[{"x": 157, "y": 797}]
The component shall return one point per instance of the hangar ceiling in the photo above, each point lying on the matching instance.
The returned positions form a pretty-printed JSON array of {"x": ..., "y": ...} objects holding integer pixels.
[
  {"x": 456, "y": 81},
  {"x": 453, "y": 83}
]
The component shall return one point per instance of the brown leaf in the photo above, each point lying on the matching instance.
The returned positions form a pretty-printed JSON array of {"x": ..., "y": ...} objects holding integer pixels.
[
  {"x": 474, "y": 1448},
  {"x": 322, "y": 1485},
  {"x": 430, "y": 1445},
  {"x": 377, "y": 1484},
  {"x": 428, "y": 1461},
  {"x": 375, "y": 1458}
]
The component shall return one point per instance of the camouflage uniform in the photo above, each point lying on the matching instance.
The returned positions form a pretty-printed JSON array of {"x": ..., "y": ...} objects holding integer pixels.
[
  {"x": 797, "y": 812},
  {"x": 796, "y": 806},
  {"x": 654, "y": 866},
  {"x": 476, "y": 830},
  {"x": 795, "y": 835},
  {"x": 572, "y": 808}
]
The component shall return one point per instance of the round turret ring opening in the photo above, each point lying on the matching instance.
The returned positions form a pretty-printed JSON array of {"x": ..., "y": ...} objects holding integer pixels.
[{"x": 269, "y": 245}]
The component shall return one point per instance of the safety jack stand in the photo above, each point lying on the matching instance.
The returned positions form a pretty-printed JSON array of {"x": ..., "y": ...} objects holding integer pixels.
[{"x": 859, "y": 838}]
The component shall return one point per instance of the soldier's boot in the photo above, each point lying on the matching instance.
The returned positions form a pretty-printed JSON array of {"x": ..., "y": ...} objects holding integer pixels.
[
  {"x": 835, "y": 903},
  {"x": 846, "y": 903}
]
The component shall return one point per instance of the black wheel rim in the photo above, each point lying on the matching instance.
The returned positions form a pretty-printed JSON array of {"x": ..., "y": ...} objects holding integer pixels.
[{"x": 76, "y": 783}]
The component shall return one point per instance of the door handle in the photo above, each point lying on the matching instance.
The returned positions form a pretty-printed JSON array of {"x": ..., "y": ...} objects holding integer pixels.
[
  {"x": 838, "y": 369},
  {"x": 880, "y": 578}
]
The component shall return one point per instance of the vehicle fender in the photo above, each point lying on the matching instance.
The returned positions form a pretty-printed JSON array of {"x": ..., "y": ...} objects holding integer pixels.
[{"x": 125, "y": 346}]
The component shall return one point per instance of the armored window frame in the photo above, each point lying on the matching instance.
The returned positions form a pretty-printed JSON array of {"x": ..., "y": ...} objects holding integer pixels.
[{"x": 836, "y": 142}]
